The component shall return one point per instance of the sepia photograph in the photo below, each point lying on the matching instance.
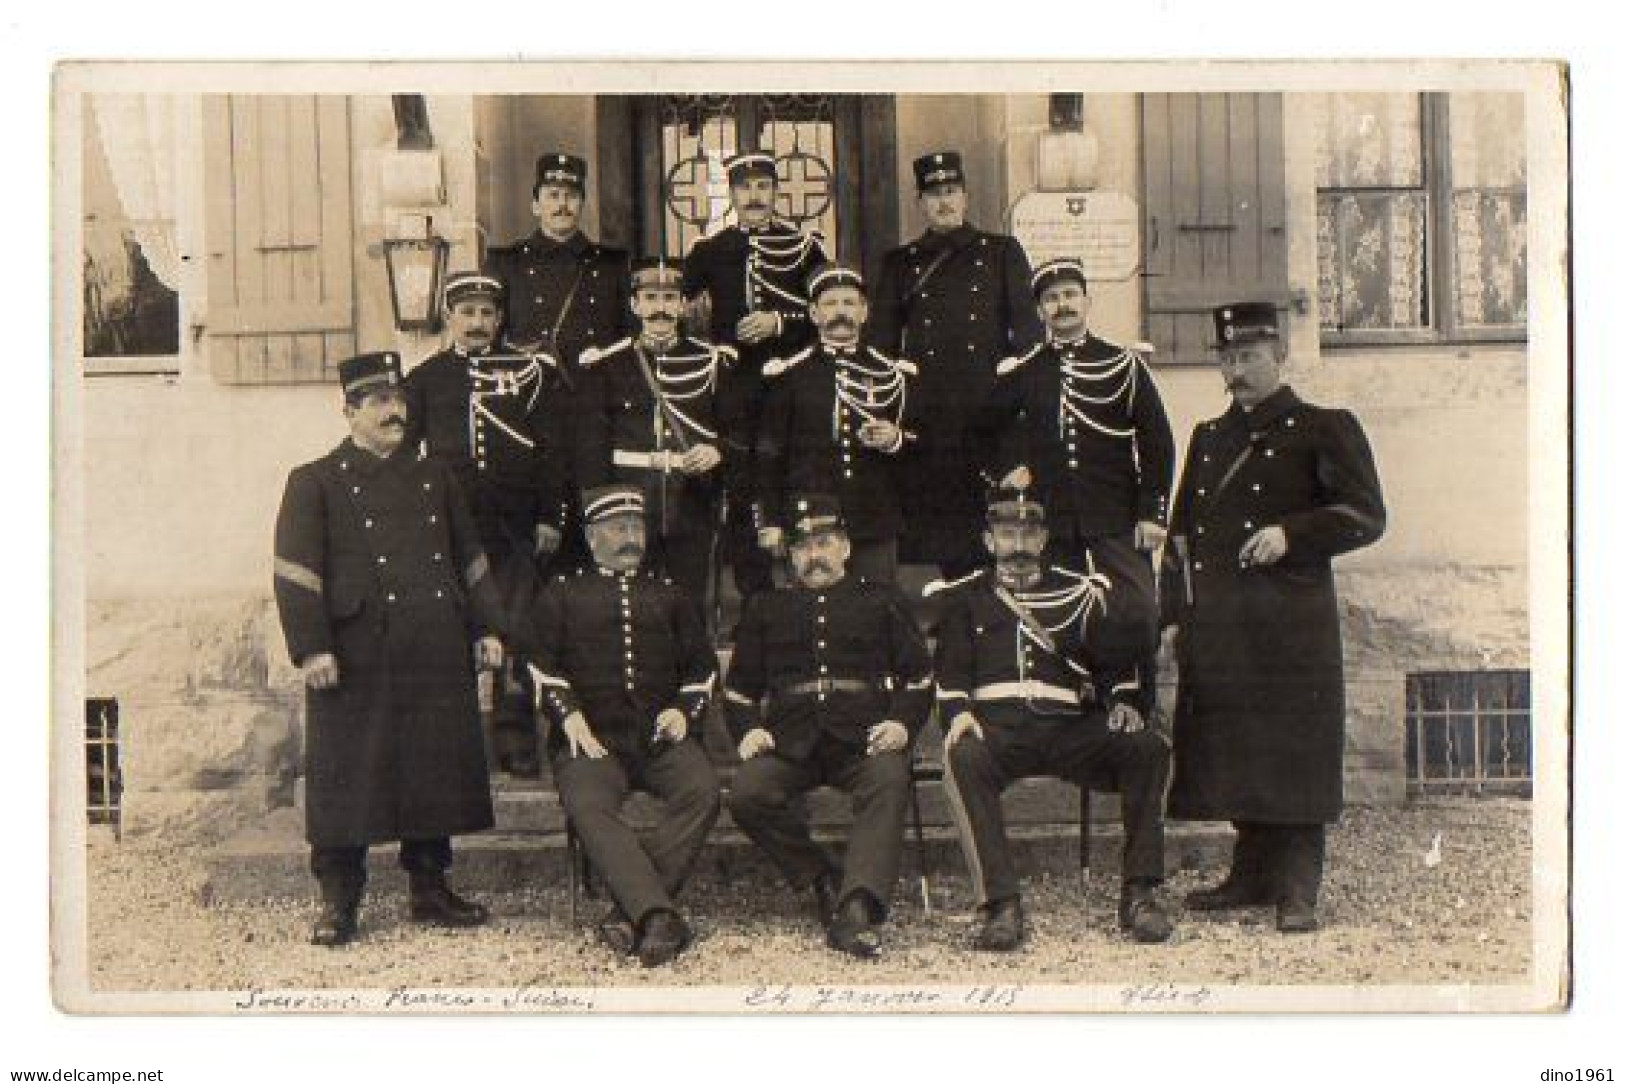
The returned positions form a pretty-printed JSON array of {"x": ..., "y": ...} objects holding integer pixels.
[{"x": 824, "y": 537}]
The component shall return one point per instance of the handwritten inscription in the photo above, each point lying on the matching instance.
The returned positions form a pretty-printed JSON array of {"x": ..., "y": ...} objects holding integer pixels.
[
  {"x": 1164, "y": 995},
  {"x": 527, "y": 997},
  {"x": 880, "y": 999}
]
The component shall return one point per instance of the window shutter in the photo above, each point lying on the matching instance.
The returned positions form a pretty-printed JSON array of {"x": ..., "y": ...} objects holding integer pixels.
[
  {"x": 1215, "y": 213},
  {"x": 280, "y": 237}
]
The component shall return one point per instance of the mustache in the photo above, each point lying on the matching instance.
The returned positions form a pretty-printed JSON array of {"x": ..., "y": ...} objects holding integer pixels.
[
  {"x": 842, "y": 321},
  {"x": 631, "y": 549},
  {"x": 394, "y": 421},
  {"x": 817, "y": 564},
  {"x": 1066, "y": 312},
  {"x": 662, "y": 314}
]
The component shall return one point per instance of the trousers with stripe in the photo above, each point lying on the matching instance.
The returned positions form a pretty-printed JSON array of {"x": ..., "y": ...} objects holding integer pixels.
[{"x": 1018, "y": 743}]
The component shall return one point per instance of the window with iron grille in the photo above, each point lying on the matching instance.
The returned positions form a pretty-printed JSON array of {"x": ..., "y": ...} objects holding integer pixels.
[
  {"x": 103, "y": 778},
  {"x": 1468, "y": 732}
]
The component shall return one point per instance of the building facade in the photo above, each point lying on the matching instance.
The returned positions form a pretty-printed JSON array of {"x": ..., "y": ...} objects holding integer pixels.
[{"x": 234, "y": 252}]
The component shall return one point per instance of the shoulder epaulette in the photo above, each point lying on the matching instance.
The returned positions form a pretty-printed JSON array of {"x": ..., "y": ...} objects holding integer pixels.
[
  {"x": 936, "y": 586},
  {"x": 1010, "y": 365},
  {"x": 594, "y": 354},
  {"x": 780, "y": 366},
  {"x": 723, "y": 352}
]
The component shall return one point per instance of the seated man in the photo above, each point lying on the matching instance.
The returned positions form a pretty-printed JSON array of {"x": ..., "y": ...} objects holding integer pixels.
[
  {"x": 624, "y": 672},
  {"x": 829, "y": 685},
  {"x": 1037, "y": 675}
]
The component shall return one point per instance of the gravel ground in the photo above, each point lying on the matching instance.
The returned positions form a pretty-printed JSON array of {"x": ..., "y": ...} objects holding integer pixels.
[{"x": 1388, "y": 917}]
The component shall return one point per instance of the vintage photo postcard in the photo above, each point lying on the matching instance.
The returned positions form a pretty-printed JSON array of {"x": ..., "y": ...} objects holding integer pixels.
[{"x": 675, "y": 537}]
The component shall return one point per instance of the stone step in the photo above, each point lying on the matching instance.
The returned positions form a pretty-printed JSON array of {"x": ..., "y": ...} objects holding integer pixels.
[{"x": 273, "y": 861}]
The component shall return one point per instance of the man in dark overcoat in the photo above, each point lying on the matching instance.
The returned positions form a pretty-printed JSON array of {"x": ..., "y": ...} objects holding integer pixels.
[
  {"x": 387, "y": 607},
  {"x": 1272, "y": 490},
  {"x": 956, "y": 301},
  {"x": 497, "y": 416},
  {"x": 836, "y": 421},
  {"x": 829, "y": 685},
  {"x": 753, "y": 276},
  {"x": 625, "y": 672}
]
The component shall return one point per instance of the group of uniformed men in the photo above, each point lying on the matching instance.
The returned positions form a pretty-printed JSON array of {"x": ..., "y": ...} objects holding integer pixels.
[{"x": 560, "y": 487}]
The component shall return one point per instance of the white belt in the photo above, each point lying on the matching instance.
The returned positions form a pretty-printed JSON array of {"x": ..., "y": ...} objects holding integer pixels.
[
  {"x": 664, "y": 460},
  {"x": 1025, "y": 690}
]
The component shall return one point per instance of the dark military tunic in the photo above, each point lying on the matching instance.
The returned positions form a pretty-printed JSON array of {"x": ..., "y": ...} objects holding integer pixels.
[
  {"x": 1086, "y": 419},
  {"x": 620, "y": 648},
  {"x": 625, "y": 435},
  {"x": 827, "y": 664},
  {"x": 955, "y": 303},
  {"x": 817, "y": 401},
  {"x": 497, "y": 424},
  {"x": 987, "y": 655},
  {"x": 1258, "y": 731},
  {"x": 566, "y": 295},
  {"x": 740, "y": 271},
  {"x": 378, "y": 563}
]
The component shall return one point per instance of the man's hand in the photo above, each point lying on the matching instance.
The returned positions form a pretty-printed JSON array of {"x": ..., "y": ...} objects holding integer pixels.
[
  {"x": 582, "y": 739},
  {"x": 964, "y": 723},
  {"x": 1125, "y": 717},
  {"x": 1019, "y": 478},
  {"x": 488, "y": 653},
  {"x": 548, "y": 538},
  {"x": 753, "y": 327},
  {"x": 887, "y": 737},
  {"x": 771, "y": 539},
  {"x": 1148, "y": 535},
  {"x": 321, "y": 671},
  {"x": 671, "y": 725},
  {"x": 880, "y": 435},
  {"x": 755, "y": 742},
  {"x": 699, "y": 459},
  {"x": 1264, "y": 548}
]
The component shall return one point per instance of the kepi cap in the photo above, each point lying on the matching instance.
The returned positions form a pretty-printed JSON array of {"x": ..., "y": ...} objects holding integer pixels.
[
  {"x": 560, "y": 168},
  {"x": 830, "y": 276},
  {"x": 656, "y": 271},
  {"x": 466, "y": 284},
  {"x": 1059, "y": 270},
  {"x": 605, "y": 502},
  {"x": 1246, "y": 321},
  {"x": 749, "y": 163},
  {"x": 1013, "y": 504},
  {"x": 368, "y": 372},
  {"x": 812, "y": 514},
  {"x": 940, "y": 167}
]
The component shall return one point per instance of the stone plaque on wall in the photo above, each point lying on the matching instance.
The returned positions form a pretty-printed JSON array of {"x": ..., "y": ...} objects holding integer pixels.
[{"x": 1102, "y": 229}]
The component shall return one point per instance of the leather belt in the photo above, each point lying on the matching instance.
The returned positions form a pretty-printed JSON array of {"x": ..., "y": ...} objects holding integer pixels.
[
  {"x": 1025, "y": 690},
  {"x": 663, "y": 460},
  {"x": 827, "y": 685}
]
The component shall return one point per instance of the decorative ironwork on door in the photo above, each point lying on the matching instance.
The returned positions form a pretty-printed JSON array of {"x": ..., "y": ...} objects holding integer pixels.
[{"x": 698, "y": 132}]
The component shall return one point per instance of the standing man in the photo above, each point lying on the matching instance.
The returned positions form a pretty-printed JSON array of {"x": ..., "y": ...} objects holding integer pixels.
[
  {"x": 1038, "y": 673},
  {"x": 565, "y": 291},
  {"x": 649, "y": 416},
  {"x": 833, "y": 423},
  {"x": 494, "y": 416},
  {"x": 1079, "y": 420},
  {"x": 387, "y": 607},
  {"x": 754, "y": 275},
  {"x": 1272, "y": 490},
  {"x": 625, "y": 673},
  {"x": 955, "y": 300},
  {"x": 830, "y": 683}
]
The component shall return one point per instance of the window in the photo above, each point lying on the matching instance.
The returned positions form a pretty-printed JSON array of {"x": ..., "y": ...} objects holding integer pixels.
[
  {"x": 104, "y": 781},
  {"x": 1422, "y": 217},
  {"x": 1468, "y": 732},
  {"x": 131, "y": 259},
  {"x": 698, "y": 132}
]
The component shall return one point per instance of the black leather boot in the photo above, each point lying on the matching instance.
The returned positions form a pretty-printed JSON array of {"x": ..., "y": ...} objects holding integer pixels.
[
  {"x": 617, "y": 932},
  {"x": 855, "y": 930},
  {"x": 1004, "y": 928},
  {"x": 434, "y": 902},
  {"x": 338, "y": 923},
  {"x": 665, "y": 936},
  {"x": 1141, "y": 915}
]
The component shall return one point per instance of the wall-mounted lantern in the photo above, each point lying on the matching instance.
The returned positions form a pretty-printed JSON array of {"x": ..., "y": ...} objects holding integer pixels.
[{"x": 417, "y": 270}]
